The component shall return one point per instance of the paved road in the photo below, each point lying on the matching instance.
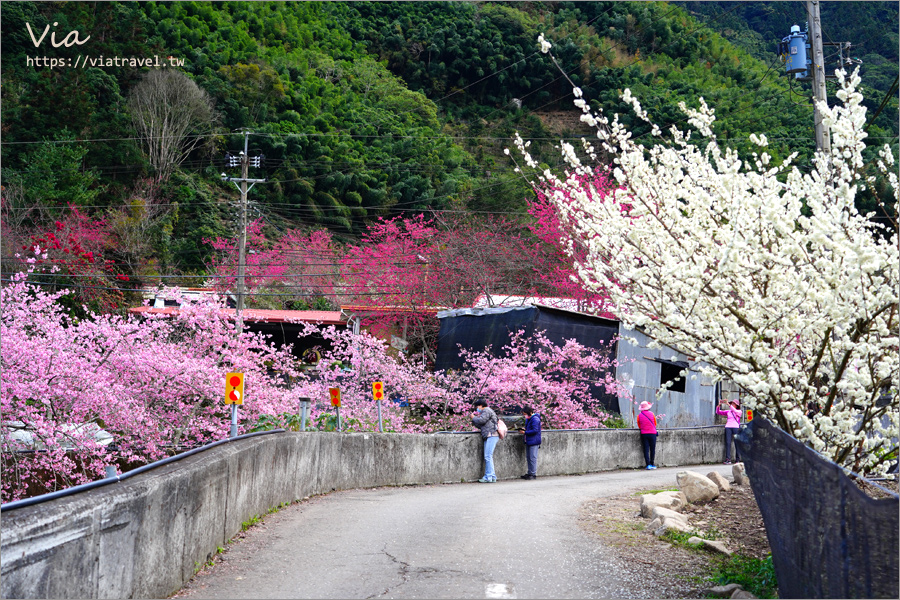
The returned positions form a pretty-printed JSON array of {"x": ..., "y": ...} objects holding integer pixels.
[{"x": 511, "y": 539}]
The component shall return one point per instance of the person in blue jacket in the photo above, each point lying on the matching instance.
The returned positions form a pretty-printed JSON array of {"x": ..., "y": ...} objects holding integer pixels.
[{"x": 532, "y": 433}]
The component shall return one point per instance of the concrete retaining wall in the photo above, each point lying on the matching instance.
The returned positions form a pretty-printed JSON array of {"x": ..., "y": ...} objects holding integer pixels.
[{"x": 143, "y": 537}]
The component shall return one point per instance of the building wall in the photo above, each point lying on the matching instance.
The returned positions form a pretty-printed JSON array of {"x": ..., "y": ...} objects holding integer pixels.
[{"x": 693, "y": 408}]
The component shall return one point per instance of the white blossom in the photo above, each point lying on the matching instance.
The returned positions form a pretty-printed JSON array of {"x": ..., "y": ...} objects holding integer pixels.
[
  {"x": 545, "y": 45},
  {"x": 765, "y": 273}
]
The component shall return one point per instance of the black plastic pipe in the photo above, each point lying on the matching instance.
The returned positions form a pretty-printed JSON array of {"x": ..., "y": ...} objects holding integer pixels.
[{"x": 101, "y": 482}]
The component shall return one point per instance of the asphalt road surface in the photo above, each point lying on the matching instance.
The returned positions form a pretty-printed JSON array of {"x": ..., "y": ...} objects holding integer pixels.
[{"x": 511, "y": 539}]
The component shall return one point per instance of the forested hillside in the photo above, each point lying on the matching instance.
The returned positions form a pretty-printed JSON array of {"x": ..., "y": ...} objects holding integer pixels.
[
  {"x": 870, "y": 28},
  {"x": 367, "y": 109}
]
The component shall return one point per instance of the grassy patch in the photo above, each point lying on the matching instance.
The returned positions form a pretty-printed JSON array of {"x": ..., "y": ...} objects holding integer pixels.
[
  {"x": 680, "y": 538},
  {"x": 757, "y": 576},
  {"x": 250, "y": 522},
  {"x": 275, "y": 509},
  {"x": 654, "y": 491},
  {"x": 615, "y": 421},
  {"x": 626, "y": 528}
]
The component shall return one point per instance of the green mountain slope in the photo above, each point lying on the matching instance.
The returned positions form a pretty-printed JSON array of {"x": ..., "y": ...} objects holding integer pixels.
[
  {"x": 871, "y": 28},
  {"x": 367, "y": 109}
]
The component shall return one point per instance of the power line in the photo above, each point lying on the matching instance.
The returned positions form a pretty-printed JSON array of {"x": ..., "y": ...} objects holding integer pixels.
[
  {"x": 884, "y": 102},
  {"x": 351, "y": 294}
]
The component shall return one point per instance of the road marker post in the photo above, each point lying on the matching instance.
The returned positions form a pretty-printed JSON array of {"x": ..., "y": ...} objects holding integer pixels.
[
  {"x": 335, "y": 394},
  {"x": 304, "y": 412},
  {"x": 378, "y": 394},
  {"x": 234, "y": 395}
]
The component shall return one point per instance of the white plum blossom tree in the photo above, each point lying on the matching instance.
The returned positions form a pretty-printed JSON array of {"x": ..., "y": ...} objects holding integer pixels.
[{"x": 768, "y": 275}]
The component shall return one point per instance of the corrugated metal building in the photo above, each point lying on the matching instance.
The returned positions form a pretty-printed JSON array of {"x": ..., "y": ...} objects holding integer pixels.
[{"x": 689, "y": 401}]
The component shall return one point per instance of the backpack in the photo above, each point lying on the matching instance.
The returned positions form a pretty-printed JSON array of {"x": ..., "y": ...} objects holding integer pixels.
[{"x": 502, "y": 430}]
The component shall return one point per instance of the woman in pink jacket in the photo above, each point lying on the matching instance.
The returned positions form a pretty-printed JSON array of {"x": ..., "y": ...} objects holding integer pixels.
[
  {"x": 732, "y": 424},
  {"x": 647, "y": 424}
]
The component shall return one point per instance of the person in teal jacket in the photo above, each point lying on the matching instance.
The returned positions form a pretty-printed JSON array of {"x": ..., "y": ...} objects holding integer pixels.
[{"x": 532, "y": 433}]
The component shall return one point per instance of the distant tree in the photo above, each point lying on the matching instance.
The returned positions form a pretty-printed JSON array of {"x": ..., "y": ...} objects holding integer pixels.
[
  {"x": 173, "y": 117},
  {"x": 301, "y": 270},
  {"x": 56, "y": 175},
  {"x": 72, "y": 254},
  {"x": 257, "y": 88},
  {"x": 556, "y": 260}
]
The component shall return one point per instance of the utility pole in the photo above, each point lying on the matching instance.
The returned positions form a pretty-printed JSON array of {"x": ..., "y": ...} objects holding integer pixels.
[
  {"x": 823, "y": 137},
  {"x": 245, "y": 162}
]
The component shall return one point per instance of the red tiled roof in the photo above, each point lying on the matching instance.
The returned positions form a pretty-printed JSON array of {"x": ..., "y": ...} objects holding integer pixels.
[
  {"x": 326, "y": 317},
  {"x": 391, "y": 309}
]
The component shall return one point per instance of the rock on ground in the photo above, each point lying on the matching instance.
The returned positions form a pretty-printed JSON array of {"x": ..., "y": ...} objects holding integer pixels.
[
  {"x": 665, "y": 513},
  {"x": 660, "y": 525},
  {"x": 721, "y": 591},
  {"x": 720, "y": 481},
  {"x": 673, "y": 500},
  {"x": 739, "y": 474},
  {"x": 696, "y": 487},
  {"x": 709, "y": 545}
]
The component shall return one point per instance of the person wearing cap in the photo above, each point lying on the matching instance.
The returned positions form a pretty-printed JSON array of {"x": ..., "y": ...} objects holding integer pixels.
[
  {"x": 647, "y": 424},
  {"x": 486, "y": 419},
  {"x": 732, "y": 413}
]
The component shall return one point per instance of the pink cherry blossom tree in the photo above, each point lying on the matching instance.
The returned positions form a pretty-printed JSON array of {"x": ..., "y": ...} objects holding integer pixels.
[
  {"x": 72, "y": 254},
  {"x": 557, "y": 258},
  {"x": 153, "y": 384},
  {"x": 300, "y": 269},
  {"x": 557, "y": 381}
]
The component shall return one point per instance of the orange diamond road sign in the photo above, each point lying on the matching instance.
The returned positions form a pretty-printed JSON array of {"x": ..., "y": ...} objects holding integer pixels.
[
  {"x": 234, "y": 388},
  {"x": 378, "y": 390},
  {"x": 749, "y": 415},
  {"x": 335, "y": 394}
]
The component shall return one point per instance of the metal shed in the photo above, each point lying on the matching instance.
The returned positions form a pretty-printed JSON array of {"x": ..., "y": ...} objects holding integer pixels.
[{"x": 690, "y": 401}]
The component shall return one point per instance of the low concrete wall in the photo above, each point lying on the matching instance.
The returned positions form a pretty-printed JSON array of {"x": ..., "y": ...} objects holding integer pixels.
[{"x": 143, "y": 537}]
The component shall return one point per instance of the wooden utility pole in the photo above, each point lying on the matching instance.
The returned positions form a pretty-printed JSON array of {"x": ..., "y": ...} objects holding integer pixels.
[{"x": 823, "y": 137}]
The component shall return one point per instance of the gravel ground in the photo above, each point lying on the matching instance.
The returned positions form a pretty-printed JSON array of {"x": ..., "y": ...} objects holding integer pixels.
[{"x": 659, "y": 569}]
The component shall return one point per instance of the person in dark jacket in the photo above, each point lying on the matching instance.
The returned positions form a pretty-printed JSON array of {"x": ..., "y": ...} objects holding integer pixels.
[
  {"x": 532, "y": 433},
  {"x": 486, "y": 419}
]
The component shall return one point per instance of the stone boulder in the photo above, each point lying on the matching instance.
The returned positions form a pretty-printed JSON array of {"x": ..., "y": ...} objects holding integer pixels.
[
  {"x": 696, "y": 487},
  {"x": 673, "y": 500},
  {"x": 664, "y": 513},
  {"x": 709, "y": 545},
  {"x": 720, "y": 481},
  {"x": 739, "y": 474},
  {"x": 660, "y": 525},
  {"x": 721, "y": 591}
]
